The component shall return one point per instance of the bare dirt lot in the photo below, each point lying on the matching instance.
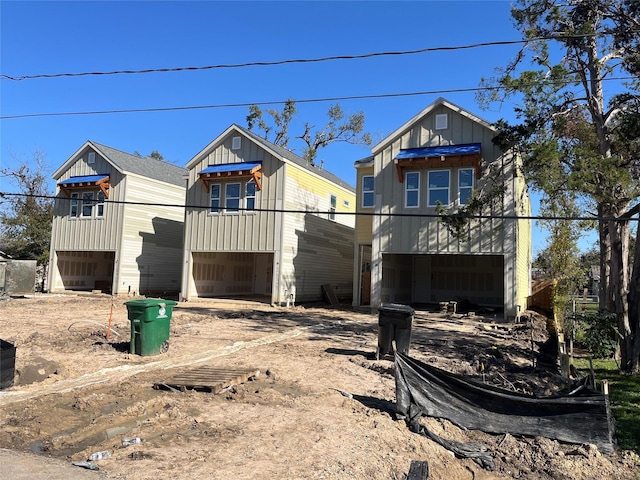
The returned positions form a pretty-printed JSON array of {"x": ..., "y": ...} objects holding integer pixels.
[{"x": 321, "y": 407}]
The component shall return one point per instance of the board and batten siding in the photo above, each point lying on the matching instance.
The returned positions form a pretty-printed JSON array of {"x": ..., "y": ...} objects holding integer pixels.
[
  {"x": 89, "y": 234},
  {"x": 239, "y": 231},
  {"x": 407, "y": 234},
  {"x": 150, "y": 254},
  {"x": 316, "y": 250}
]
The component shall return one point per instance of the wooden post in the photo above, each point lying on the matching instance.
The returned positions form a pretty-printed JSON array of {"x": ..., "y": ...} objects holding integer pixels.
[{"x": 605, "y": 387}]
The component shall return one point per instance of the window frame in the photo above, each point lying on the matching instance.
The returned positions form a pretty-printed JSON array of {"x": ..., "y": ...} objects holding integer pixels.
[
  {"x": 218, "y": 208},
  {"x": 368, "y": 193},
  {"x": 333, "y": 206},
  {"x": 432, "y": 189},
  {"x": 469, "y": 188},
  {"x": 237, "y": 199},
  {"x": 87, "y": 202},
  {"x": 73, "y": 206},
  {"x": 408, "y": 190},
  {"x": 248, "y": 197}
]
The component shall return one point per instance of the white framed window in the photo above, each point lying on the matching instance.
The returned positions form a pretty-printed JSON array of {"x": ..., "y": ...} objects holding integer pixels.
[
  {"x": 332, "y": 207},
  {"x": 215, "y": 198},
  {"x": 73, "y": 207},
  {"x": 236, "y": 143},
  {"x": 232, "y": 197},
  {"x": 250, "y": 195},
  {"x": 442, "y": 121},
  {"x": 87, "y": 204},
  {"x": 438, "y": 188},
  {"x": 412, "y": 189},
  {"x": 100, "y": 204},
  {"x": 92, "y": 157},
  {"x": 367, "y": 191},
  {"x": 465, "y": 185}
]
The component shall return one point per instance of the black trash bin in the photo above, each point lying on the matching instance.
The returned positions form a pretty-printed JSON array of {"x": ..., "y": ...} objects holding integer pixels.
[
  {"x": 7, "y": 364},
  {"x": 394, "y": 323}
]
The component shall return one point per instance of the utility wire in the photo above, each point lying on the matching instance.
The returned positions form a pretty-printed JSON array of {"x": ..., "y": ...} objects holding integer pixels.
[
  {"x": 364, "y": 214},
  {"x": 280, "y": 102},
  {"x": 299, "y": 60}
]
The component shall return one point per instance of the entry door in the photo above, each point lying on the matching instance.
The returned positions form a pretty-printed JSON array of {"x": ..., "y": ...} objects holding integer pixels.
[{"x": 263, "y": 274}]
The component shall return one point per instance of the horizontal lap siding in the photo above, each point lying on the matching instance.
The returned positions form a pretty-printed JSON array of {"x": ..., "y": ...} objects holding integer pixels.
[
  {"x": 151, "y": 251},
  {"x": 315, "y": 249}
]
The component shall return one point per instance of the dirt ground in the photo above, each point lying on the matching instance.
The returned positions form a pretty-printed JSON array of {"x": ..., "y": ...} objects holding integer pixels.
[{"x": 321, "y": 406}]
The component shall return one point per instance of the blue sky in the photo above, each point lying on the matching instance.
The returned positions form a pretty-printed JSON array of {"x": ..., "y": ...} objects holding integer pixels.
[{"x": 70, "y": 37}]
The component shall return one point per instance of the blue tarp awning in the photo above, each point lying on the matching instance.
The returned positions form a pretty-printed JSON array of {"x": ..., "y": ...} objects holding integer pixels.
[
  {"x": 83, "y": 179},
  {"x": 230, "y": 170},
  {"x": 231, "y": 167},
  {"x": 444, "y": 151}
]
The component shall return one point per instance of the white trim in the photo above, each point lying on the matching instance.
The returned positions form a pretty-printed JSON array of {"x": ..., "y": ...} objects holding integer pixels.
[
  {"x": 407, "y": 190},
  {"x": 429, "y": 172}
]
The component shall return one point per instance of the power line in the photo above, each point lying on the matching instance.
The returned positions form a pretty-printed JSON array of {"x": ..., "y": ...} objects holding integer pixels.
[
  {"x": 280, "y": 102},
  {"x": 294, "y": 61},
  {"x": 364, "y": 214}
]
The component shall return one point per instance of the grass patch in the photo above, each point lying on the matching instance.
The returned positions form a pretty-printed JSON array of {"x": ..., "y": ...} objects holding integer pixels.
[{"x": 624, "y": 397}]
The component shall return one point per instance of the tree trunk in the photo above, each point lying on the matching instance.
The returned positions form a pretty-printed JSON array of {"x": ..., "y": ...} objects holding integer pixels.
[{"x": 634, "y": 309}]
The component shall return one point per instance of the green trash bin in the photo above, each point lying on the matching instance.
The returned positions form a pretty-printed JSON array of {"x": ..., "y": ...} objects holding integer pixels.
[{"x": 150, "y": 319}]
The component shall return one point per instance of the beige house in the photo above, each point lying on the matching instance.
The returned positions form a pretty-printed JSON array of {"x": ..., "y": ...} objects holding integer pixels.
[
  {"x": 404, "y": 254},
  {"x": 114, "y": 226},
  {"x": 262, "y": 222}
]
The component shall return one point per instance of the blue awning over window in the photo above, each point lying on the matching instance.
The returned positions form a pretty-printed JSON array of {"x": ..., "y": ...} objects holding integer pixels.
[
  {"x": 231, "y": 167},
  {"x": 444, "y": 151},
  {"x": 85, "y": 182},
  {"x": 83, "y": 179},
  {"x": 231, "y": 170}
]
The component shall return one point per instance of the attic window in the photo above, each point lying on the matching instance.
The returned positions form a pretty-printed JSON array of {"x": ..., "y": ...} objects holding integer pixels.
[
  {"x": 236, "y": 143},
  {"x": 92, "y": 157},
  {"x": 442, "y": 121}
]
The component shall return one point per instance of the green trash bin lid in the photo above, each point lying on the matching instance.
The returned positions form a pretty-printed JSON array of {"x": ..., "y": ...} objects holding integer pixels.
[{"x": 150, "y": 302}]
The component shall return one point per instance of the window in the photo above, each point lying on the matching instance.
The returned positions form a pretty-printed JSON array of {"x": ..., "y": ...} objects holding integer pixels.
[
  {"x": 232, "y": 197},
  {"x": 100, "y": 204},
  {"x": 332, "y": 208},
  {"x": 92, "y": 157},
  {"x": 236, "y": 143},
  {"x": 438, "y": 188},
  {"x": 250, "y": 196},
  {"x": 367, "y": 191},
  {"x": 465, "y": 185},
  {"x": 215, "y": 198},
  {"x": 73, "y": 210},
  {"x": 412, "y": 189},
  {"x": 442, "y": 121},
  {"x": 87, "y": 204}
]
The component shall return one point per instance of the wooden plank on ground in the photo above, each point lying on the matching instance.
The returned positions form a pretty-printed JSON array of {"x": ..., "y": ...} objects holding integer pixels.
[
  {"x": 329, "y": 294},
  {"x": 207, "y": 379},
  {"x": 418, "y": 470}
]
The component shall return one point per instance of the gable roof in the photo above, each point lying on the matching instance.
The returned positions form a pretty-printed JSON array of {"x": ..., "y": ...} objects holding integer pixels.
[
  {"x": 126, "y": 163},
  {"x": 275, "y": 150},
  {"x": 437, "y": 103}
]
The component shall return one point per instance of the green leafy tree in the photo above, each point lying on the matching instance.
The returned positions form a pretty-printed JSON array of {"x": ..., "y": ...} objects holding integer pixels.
[
  {"x": 26, "y": 217},
  {"x": 576, "y": 137},
  {"x": 337, "y": 129}
]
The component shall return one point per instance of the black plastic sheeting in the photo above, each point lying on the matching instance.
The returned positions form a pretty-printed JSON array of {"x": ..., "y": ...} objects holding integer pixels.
[{"x": 581, "y": 417}]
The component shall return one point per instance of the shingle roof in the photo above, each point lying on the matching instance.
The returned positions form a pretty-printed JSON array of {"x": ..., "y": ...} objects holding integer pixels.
[{"x": 144, "y": 166}]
